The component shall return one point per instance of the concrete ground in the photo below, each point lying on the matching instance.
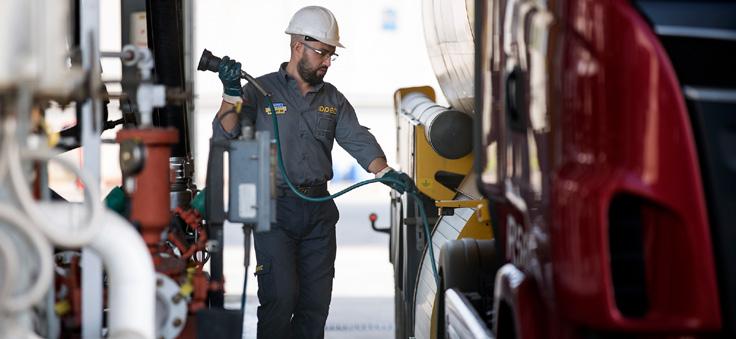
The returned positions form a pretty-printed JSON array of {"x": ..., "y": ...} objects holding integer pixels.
[{"x": 362, "y": 297}]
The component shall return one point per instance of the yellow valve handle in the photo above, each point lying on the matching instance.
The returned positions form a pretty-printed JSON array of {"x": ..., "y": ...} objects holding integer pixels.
[
  {"x": 187, "y": 288},
  {"x": 62, "y": 307}
]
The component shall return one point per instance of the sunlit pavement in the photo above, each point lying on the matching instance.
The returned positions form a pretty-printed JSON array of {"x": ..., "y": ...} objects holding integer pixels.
[{"x": 362, "y": 297}]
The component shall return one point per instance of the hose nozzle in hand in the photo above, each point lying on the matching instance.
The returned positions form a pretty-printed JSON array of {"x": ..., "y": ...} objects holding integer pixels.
[{"x": 210, "y": 62}]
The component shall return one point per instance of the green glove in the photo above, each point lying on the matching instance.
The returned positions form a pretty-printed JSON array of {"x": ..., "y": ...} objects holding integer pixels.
[
  {"x": 406, "y": 183},
  {"x": 230, "y": 76}
]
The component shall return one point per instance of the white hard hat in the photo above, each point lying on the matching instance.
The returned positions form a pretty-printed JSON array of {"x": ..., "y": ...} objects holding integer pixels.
[{"x": 316, "y": 22}]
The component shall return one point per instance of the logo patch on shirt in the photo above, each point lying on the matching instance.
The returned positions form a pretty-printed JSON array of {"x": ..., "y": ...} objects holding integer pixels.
[
  {"x": 280, "y": 108},
  {"x": 327, "y": 109}
]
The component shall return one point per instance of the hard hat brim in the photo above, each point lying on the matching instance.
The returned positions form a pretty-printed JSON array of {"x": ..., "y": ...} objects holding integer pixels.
[{"x": 324, "y": 41}]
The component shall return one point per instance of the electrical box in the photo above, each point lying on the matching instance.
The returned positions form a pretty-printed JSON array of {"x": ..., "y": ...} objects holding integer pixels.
[{"x": 251, "y": 185}]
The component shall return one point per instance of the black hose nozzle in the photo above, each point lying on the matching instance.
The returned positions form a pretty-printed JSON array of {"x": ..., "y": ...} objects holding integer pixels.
[{"x": 209, "y": 62}]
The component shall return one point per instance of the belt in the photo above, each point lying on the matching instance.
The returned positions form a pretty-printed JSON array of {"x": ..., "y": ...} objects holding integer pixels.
[{"x": 312, "y": 191}]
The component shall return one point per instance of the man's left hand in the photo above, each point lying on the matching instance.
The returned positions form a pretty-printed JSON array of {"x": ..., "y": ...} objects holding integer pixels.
[{"x": 403, "y": 183}]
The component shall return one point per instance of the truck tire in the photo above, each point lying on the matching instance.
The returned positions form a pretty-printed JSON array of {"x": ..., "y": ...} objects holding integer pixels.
[{"x": 470, "y": 266}]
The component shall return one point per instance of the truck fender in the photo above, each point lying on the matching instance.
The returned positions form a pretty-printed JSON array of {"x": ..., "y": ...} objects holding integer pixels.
[{"x": 517, "y": 304}]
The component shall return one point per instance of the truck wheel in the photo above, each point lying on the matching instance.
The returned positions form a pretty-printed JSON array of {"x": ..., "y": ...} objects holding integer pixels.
[{"x": 470, "y": 266}]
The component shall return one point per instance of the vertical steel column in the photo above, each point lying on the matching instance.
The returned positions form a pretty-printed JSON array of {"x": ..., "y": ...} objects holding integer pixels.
[
  {"x": 91, "y": 127},
  {"x": 190, "y": 59},
  {"x": 166, "y": 41},
  {"x": 169, "y": 38}
]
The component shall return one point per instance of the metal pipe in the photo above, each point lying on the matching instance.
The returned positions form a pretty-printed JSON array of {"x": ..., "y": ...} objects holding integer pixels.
[
  {"x": 89, "y": 28},
  {"x": 449, "y": 131},
  {"x": 150, "y": 205}
]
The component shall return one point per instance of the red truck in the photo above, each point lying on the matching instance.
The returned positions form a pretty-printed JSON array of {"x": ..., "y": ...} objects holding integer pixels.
[{"x": 607, "y": 148}]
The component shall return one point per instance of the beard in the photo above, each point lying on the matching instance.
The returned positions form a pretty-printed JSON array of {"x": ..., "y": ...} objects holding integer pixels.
[{"x": 309, "y": 74}]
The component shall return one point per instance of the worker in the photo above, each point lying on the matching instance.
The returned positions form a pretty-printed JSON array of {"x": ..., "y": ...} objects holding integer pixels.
[{"x": 296, "y": 259}]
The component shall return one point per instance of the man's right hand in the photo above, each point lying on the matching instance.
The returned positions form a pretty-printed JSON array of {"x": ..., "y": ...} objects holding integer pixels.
[{"x": 230, "y": 76}]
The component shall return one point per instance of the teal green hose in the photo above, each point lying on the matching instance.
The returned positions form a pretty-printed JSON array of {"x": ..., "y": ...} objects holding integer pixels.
[{"x": 422, "y": 212}]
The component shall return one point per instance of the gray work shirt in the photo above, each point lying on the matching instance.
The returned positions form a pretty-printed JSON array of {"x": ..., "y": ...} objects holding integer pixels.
[{"x": 308, "y": 126}]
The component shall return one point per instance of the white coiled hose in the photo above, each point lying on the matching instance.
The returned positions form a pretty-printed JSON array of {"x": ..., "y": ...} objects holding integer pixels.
[
  {"x": 36, "y": 223},
  {"x": 41, "y": 281},
  {"x": 8, "y": 265},
  {"x": 75, "y": 236},
  {"x": 5, "y": 139}
]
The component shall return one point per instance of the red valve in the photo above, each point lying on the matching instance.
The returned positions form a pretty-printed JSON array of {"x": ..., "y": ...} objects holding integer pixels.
[{"x": 373, "y": 217}]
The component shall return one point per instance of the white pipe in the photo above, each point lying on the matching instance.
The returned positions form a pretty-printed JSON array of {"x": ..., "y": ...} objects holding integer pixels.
[
  {"x": 132, "y": 282},
  {"x": 132, "y": 287}
]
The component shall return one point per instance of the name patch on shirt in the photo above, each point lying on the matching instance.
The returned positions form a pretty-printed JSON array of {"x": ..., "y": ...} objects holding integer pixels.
[
  {"x": 280, "y": 108},
  {"x": 327, "y": 109}
]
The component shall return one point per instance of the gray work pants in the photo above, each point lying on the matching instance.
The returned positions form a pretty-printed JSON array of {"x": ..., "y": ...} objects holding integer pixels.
[{"x": 295, "y": 267}]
